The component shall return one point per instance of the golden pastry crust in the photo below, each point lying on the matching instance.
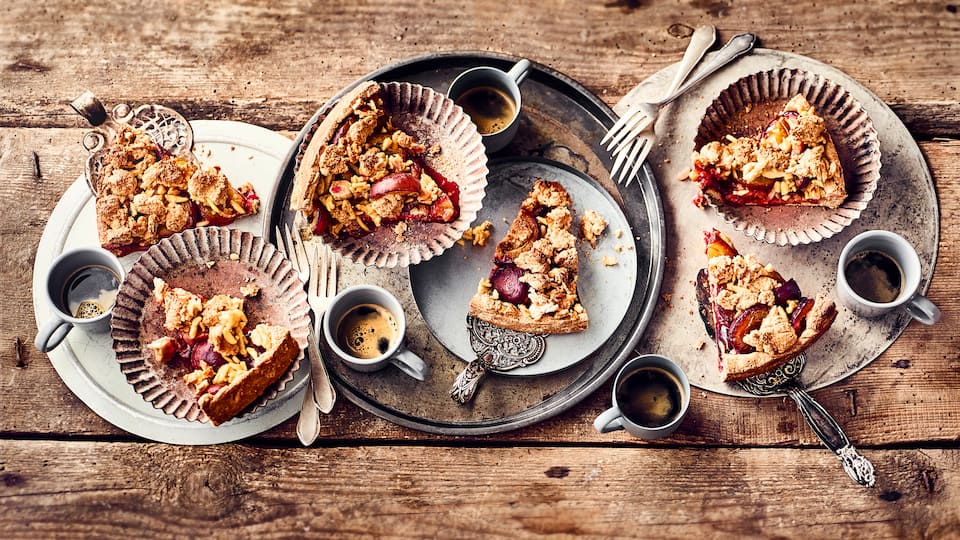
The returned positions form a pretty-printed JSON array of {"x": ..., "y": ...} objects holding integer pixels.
[
  {"x": 144, "y": 194},
  {"x": 740, "y": 366},
  {"x": 360, "y": 172},
  {"x": 232, "y": 399},
  {"x": 242, "y": 373},
  {"x": 793, "y": 161},
  {"x": 538, "y": 255},
  {"x": 760, "y": 320}
]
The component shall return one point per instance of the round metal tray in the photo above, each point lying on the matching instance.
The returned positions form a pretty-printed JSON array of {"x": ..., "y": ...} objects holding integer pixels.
[{"x": 560, "y": 121}]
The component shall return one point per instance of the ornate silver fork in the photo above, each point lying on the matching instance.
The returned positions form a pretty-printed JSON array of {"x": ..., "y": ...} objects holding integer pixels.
[{"x": 631, "y": 151}]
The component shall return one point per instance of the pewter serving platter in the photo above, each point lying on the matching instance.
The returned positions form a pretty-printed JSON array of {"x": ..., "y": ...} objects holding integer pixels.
[
  {"x": 562, "y": 123},
  {"x": 905, "y": 202}
]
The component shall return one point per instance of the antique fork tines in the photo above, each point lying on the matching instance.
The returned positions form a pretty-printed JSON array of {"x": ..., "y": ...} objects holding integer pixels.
[
  {"x": 294, "y": 251},
  {"x": 631, "y": 153}
]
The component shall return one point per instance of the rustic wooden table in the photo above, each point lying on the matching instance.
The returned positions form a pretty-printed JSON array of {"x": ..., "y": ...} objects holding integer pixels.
[{"x": 736, "y": 466}]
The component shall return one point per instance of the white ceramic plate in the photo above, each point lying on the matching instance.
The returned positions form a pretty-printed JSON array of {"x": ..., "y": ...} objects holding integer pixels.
[
  {"x": 86, "y": 363},
  {"x": 443, "y": 286}
]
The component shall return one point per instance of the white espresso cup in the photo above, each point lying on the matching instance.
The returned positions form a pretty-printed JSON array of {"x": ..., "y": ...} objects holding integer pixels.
[
  {"x": 81, "y": 288},
  {"x": 491, "y": 98},
  {"x": 650, "y": 398},
  {"x": 364, "y": 326},
  {"x": 879, "y": 271}
]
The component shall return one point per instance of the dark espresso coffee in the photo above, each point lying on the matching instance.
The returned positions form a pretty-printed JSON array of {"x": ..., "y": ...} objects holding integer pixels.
[
  {"x": 874, "y": 276},
  {"x": 491, "y": 109},
  {"x": 367, "y": 331},
  {"x": 90, "y": 292},
  {"x": 650, "y": 397}
]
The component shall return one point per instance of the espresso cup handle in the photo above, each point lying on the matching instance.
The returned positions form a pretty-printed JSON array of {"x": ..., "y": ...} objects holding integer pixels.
[
  {"x": 923, "y": 310},
  {"x": 411, "y": 364},
  {"x": 519, "y": 71},
  {"x": 609, "y": 420},
  {"x": 52, "y": 333}
]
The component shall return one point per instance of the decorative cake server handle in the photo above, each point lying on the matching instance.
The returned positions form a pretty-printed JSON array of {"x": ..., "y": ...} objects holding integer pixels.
[
  {"x": 826, "y": 427},
  {"x": 469, "y": 379}
]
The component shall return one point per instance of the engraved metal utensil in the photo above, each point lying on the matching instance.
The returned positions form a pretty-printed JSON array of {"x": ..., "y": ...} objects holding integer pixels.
[
  {"x": 784, "y": 379},
  {"x": 165, "y": 126},
  {"x": 498, "y": 349}
]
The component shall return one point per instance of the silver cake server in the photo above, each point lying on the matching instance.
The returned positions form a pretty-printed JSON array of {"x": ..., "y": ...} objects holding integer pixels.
[{"x": 497, "y": 349}]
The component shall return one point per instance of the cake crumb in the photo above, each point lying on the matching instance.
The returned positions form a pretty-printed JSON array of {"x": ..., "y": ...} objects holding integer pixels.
[
  {"x": 478, "y": 235},
  {"x": 608, "y": 260},
  {"x": 234, "y": 257},
  {"x": 592, "y": 226},
  {"x": 699, "y": 345},
  {"x": 210, "y": 264},
  {"x": 250, "y": 290},
  {"x": 399, "y": 229},
  {"x": 684, "y": 175},
  {"x": 619, "y": 233}
]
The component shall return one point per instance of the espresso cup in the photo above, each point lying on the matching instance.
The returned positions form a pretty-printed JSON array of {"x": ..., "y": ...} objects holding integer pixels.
[
  {"x": 491, "y": 98},
  {"x": 81, "y": 288},
  {"x": 650, "y": 398},
  {"x": 879, "y": 271},
  {"x": 364, "y": 327}
]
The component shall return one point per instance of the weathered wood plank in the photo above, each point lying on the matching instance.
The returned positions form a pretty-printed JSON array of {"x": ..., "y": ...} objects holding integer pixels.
[
  {"x": 82, "y": 489},
  {"x": 886, "y": 403},
  {"x": 273, "y": 63}
]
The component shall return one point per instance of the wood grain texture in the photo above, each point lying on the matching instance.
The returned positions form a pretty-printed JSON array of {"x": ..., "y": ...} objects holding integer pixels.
[
  {"x": 88, "y": 489},
  {"x": 274, "y": 63}
]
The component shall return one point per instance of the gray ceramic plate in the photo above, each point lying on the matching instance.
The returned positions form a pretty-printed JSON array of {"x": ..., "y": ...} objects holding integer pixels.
[{"x": 605, "y": 291}]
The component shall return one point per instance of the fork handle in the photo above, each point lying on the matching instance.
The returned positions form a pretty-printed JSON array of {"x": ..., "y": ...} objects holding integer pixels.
[
  {"x": 738, "y": 45},
  {"x": 323, "y": 393},
  {"x": 826, "y": 427}
]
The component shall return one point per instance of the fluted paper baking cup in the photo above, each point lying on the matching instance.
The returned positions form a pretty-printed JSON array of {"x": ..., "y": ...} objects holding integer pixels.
[
  {"x": 747, "y": 106},
  {"x": 432, "y": 119},
  {"x": 206, "y": 261}
]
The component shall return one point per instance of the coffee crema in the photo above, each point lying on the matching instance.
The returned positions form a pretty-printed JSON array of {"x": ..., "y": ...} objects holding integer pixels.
[
  {"x": 367, "y": 331},
  {"x": 491, "y": 109},
  {"x": 874, "y": 276},
  {"x": 650, "y": 397},
  {"x": 90, "y": 292}
]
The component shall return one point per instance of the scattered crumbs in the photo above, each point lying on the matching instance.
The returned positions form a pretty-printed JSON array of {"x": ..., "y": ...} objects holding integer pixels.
[
  {"x": 667, "y": 160},
  {"x": 234, "y": 257},
  {"x": 232, "y": 148},
  {"x": 667, "y": 297},
  {"x": 748, "y": 108},
  {"x": 619, "y": 233},
  {"x": 250, "y": 290},
  {"x": 592, "y": 226},
  {"x": 399, "y": 229},
  {"x": 629, "y": 248},
  {"x": 250, "y": 156},
  {"x": 608, "y": 260},
  {"x": 210, "y": 264},
  {"x": 699, "y": 345},
  {"x": 684, "y": 175},
  {"x": 618, "y": 248},
  {"x": 477, "y": 235}
]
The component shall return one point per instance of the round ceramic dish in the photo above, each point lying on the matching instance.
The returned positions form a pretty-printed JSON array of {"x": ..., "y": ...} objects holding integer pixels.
[
  {"x": 433, "y": 120},
  {"x": 747, "y": 106},
  {"x": 206, "y": 261}
]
